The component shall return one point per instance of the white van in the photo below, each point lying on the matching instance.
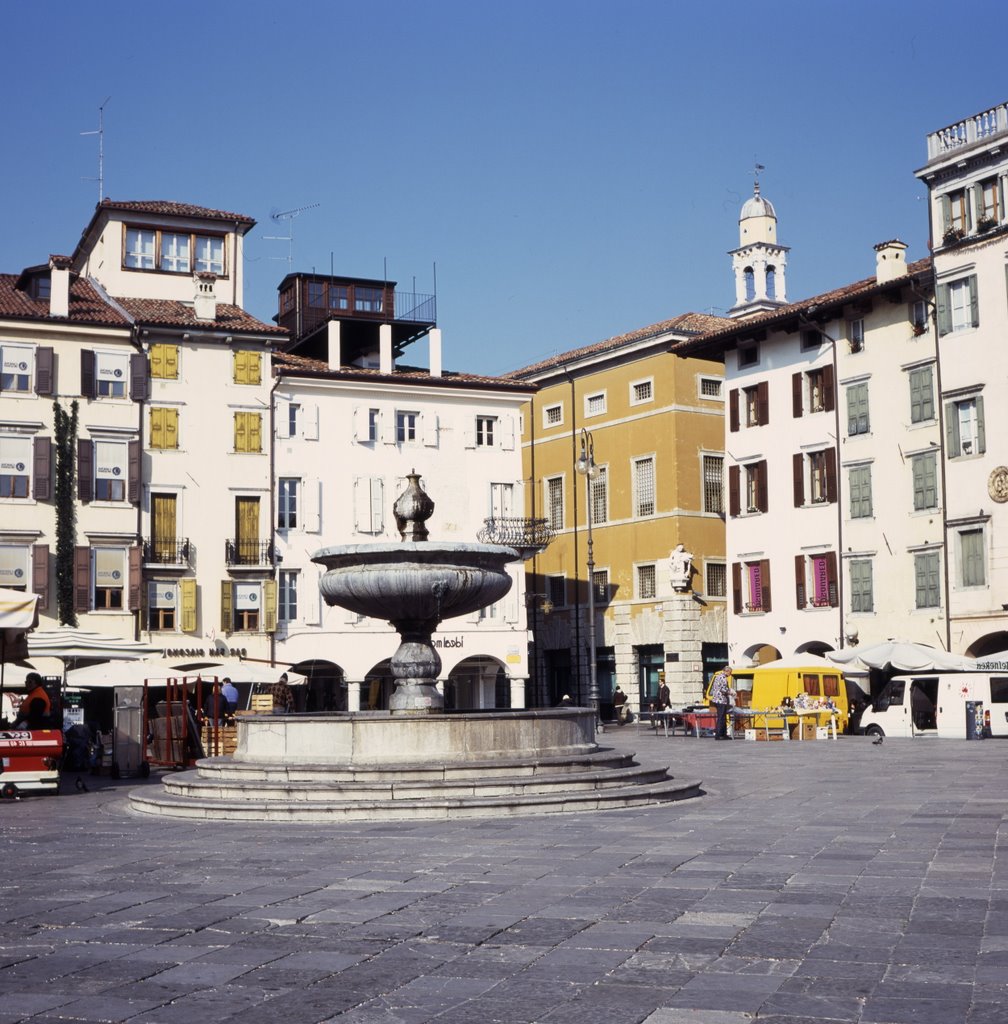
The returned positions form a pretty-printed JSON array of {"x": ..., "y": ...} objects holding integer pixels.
[{"x": 934, "y": 704}]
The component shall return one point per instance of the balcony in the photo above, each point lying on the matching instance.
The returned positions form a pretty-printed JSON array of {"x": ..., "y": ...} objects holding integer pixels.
[
  {"x": 168, "y": 554},
  {"x": 248, "y": 554},
  {"x": 977, "y": 128},
  {"x": 528, "y": 537}
]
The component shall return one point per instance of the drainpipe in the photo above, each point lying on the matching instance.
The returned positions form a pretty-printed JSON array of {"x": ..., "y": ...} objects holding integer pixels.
[
  {"x": 577, "y": 562},
  {"x": 141, "y": 405},
  {"x": 533, "y": 607},
  {"x": 272, "y": 498}
]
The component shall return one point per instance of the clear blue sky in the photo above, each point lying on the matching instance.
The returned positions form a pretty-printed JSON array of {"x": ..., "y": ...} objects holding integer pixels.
[{"x": 574, "y": 170}]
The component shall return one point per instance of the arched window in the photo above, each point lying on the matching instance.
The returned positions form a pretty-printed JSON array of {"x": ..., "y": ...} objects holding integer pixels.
[
  {"x": 750, "y": 284},
  {"x": 771, "y": 282}
]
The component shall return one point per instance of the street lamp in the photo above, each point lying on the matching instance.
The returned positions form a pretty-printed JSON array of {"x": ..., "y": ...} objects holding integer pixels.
[{"x": 585, "y": 465}]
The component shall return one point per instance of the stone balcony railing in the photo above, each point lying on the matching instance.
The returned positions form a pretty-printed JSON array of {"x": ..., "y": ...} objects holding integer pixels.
[{"x": 976, "y": 128}]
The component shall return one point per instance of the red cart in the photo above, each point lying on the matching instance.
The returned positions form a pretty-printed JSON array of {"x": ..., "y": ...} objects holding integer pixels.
[{"x": 29, "y": 761}]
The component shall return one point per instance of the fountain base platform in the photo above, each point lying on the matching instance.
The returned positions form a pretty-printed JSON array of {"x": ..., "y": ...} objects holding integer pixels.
[{"x": 381, "y": 767}]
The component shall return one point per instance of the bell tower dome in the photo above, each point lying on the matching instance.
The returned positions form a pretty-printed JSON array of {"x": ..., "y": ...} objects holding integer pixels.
[{"x": 759, "y": 262}]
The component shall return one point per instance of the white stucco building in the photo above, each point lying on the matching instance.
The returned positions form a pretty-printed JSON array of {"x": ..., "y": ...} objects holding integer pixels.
[{"x": 967, "y": 178}]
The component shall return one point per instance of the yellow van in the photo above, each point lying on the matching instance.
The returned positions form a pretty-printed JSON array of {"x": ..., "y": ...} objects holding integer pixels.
[{"x": 778, "y": 684}]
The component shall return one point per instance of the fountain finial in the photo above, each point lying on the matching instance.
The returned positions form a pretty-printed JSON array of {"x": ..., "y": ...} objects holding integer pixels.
[{"x": 412, "y": 509}]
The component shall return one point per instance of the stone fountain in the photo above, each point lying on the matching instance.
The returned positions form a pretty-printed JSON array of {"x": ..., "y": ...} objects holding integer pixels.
[{"x": 414, "y": 761}]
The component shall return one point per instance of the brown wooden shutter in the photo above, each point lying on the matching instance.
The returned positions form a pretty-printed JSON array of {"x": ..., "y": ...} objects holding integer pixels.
[
  {"x": 40, "y": 573},
  {"x": 226, "y": 613},
  {"x": 133, "y": 473},
  {"x": 799, "y": 579},
  {"x": 798, "y": 462},
  {"x": 796, "y": 394},
  {"x": 761, "y": 486},
  {"x": 765, "y": 584},
  {"x": 134, "y": 578},
  {"x": 733, "y": 415},
  {"x": 87, "y": 373},
  {"x": 85, "y": 469},
  {"x": 139, "y": 389},
  {"x": 736, "y": 580},
  {"x": 42, "y": 470},
  {"x": 733, "y": 490},
  {"x": 829, "y": 389},
  {"x": 831, "y": 579},
  {"x": 831, "y": 475},
  {"x": 82, "y": 579},
  {"x": 762, "y": 403},
  {"x": 44, "y": 384}
]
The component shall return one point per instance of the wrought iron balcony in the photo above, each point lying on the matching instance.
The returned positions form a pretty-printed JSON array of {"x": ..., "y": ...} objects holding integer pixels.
[
  {"x": 527, "y": 536},
  {"x": 252, "y": 554},
  {"x": 159, "y": 551}
]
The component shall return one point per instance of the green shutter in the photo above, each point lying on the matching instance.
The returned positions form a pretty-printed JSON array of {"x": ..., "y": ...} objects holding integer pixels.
[
  {"x": 953, "y": 445},
  {"x": 981, "y": 431},
  {"x": 944, "y": 311},
  {"x": 974, "y": 300}
]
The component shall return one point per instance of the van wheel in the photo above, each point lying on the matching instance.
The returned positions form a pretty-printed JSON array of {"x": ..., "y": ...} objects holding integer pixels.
[{"x": 874, "y": 730}]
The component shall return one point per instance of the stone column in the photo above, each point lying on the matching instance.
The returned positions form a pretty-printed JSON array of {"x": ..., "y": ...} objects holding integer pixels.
[
  {"x": 681, "y": 639},
  {"x": 352, "y": 696},
  {"x": 518, "y": 692}
]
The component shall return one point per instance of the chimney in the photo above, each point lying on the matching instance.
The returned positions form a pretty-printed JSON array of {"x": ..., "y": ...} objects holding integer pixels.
[
  {"x": 385, "y": 348},
  {"x": 59, "y": 286},
  {"x": 890, "y": 261},
  {"x": 205, "y": 301},
  {"x": 333, "y": 344},
  {"x": 434, "y": 344}
]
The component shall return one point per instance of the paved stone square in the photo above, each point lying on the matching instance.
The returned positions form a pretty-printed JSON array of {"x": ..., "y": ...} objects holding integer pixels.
[{"x": 814, "y": 881}]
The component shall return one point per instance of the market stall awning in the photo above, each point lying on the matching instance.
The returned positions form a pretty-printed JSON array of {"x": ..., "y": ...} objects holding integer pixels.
[
  {"x": 157, "y": 670},
  {"x": 903, "y": 656},
  {"x": 72, "y": 645},
  {"x": 18, "y": 615}
]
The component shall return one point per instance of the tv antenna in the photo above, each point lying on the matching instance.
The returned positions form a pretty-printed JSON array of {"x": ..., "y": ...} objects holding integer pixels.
[
  {"x": 287, "y": 215},
  {"x": 101, "y": 150}
]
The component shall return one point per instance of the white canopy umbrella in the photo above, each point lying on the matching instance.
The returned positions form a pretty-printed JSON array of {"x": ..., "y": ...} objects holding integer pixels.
[
  {"x": 70, "y": 645},
  {"x": 157, "y": 670},
  {"x": 903, "y": 656},
  {"x": 18, "y": 616}
]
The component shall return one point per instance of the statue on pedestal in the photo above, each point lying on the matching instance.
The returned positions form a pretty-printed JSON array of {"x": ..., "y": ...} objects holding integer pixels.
[{"x": 681, "y": 567}]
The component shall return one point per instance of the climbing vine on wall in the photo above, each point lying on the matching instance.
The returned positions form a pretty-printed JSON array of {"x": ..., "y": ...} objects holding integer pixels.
[{"x": 66, "y": 511}]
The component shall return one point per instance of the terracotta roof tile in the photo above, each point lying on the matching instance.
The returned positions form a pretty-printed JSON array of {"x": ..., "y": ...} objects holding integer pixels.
[
  {"x": 831, "y": 300},
  {"x": 172, "y": 313},
  {"x": 164, "y": 207},
  {"x": 686, "y": 323},
  {"x": 86, "y": 305}
]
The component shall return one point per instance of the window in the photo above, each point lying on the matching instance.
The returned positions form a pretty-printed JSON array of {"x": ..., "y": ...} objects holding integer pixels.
[
  {"x": 711, "y": 387},
  {"x": 817, "y": 477},
  {"x": 368, "y": 300},
  {"x": 111, "y": 462},
  {"x": 755, "y": 488},
  {"x": 248, "y": 432},
  {"x": 857, "y": 409},
  {"x": 855, "y": 334},
  {"x": 925, "y": 481},
  {"x": 972, "y": 564},
  {"x": 811, "y": 340},
  {"x": 918, "y": 316},
  {"x": 816, "y": 580},
  {"x": 485, "y": 429},
  {"x": 369, "y": 504},
  {"x": 316, "y": 295},
  {"x": 163, "y": 428},
  {"x": 164, "y": 361},
  {"x": 861, "y": 587},
  {"x": 406, "y": 427},
  {"x": 501, "y": 501},
  {"x": 139, "y": 249},
  {"x": 860, "y": 490},
  {"x": 109, "y": 579},
  {"x": 988, "y": 207},
  {"x": 964, "y": 427},
  {"x": 17, "y": 368},
  {"x": 175, "y": 253},
  {"x": 955, "y": 212},
  {"x": 210, "y": 255},
  {"x": 641, "y": 391},
  {"x": 927, "y": 567},
  {"x": 748, "y": 355},
  {"x": 598, "y": 489},
  {"x": 293, "y": 418},
  {"x": 287, "y": 610},
  {"x": 111, "y": 374},
  {"x": 817, "y": 391},
  {"x": 14, "y": 572},
  {"x": 820, "y": 467},
  {"x": 600, "y": 585},
  {"x": 716, "y": 579},
  {"x": 751, "y": 587},
  {"x": 922, "y": 403},
  {"x": 752, "y": 407},
  {"x": 595, "y": 405},
  {"x": 15, "y": 466},
  {"x": 756, "y": 406},
  {"x": 557, "y": 587},
  {"x": 287, "y": 503},
  {"x": 339, "y": 296},
  {"x": 555, "y": 503},
  {"x": 553, "y": 416},
  {"x": 372, "y": 424},
  {"x": 247, "y": 367},
  {"x": 644, "y": 486},
  {"x": 713, "y": 484},
  {"x": 958, "y": 307},
  {"x": 247, "y": 607},
  {"x": 162, "y": 606},
  {"x": 646, "y": 581}
]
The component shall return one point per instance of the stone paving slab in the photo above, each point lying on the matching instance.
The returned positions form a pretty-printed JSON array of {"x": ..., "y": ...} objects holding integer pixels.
[{"x": 813, "y": 882}]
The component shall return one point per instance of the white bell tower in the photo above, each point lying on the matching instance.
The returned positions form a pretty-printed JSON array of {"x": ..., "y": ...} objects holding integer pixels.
[{"x": 759, "y": 262}]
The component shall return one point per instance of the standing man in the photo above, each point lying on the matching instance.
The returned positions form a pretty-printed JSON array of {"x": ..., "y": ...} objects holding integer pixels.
[
  {"x": 721, "y": 694},
  {"x": 283, "y": 696}
]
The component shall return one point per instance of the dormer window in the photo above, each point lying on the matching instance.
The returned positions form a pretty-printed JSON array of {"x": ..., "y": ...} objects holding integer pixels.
[
  {"x": 139, "y": 249},
  {"x": 173, "y": 252},
  {"x": 210, "y": 255}
]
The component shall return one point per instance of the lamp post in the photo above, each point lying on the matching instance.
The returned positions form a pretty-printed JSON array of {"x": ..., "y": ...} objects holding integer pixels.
[{"x": 585, "y": 465}]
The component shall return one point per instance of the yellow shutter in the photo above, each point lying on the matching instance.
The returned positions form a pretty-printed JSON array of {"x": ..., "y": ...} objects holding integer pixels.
[
  {"x": 164, "y": 361},
  {"x": 170, "y": 428},
  {"x": 241, "y": 434},
  {"x": 254, "y": 367},
  {"x": 255, "y": 432},
  {"x": 157, "y": 434},
  {"x": 187, "y": 586},
  {"x": 269, "y": 606},
  {"x": 157, "y": 361},
  {"x": 226, "y": 614},
  {"x": 240, "y": 369},
  {"x": 171, "y": 361},
  {"x": 163, "y": 513}
]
